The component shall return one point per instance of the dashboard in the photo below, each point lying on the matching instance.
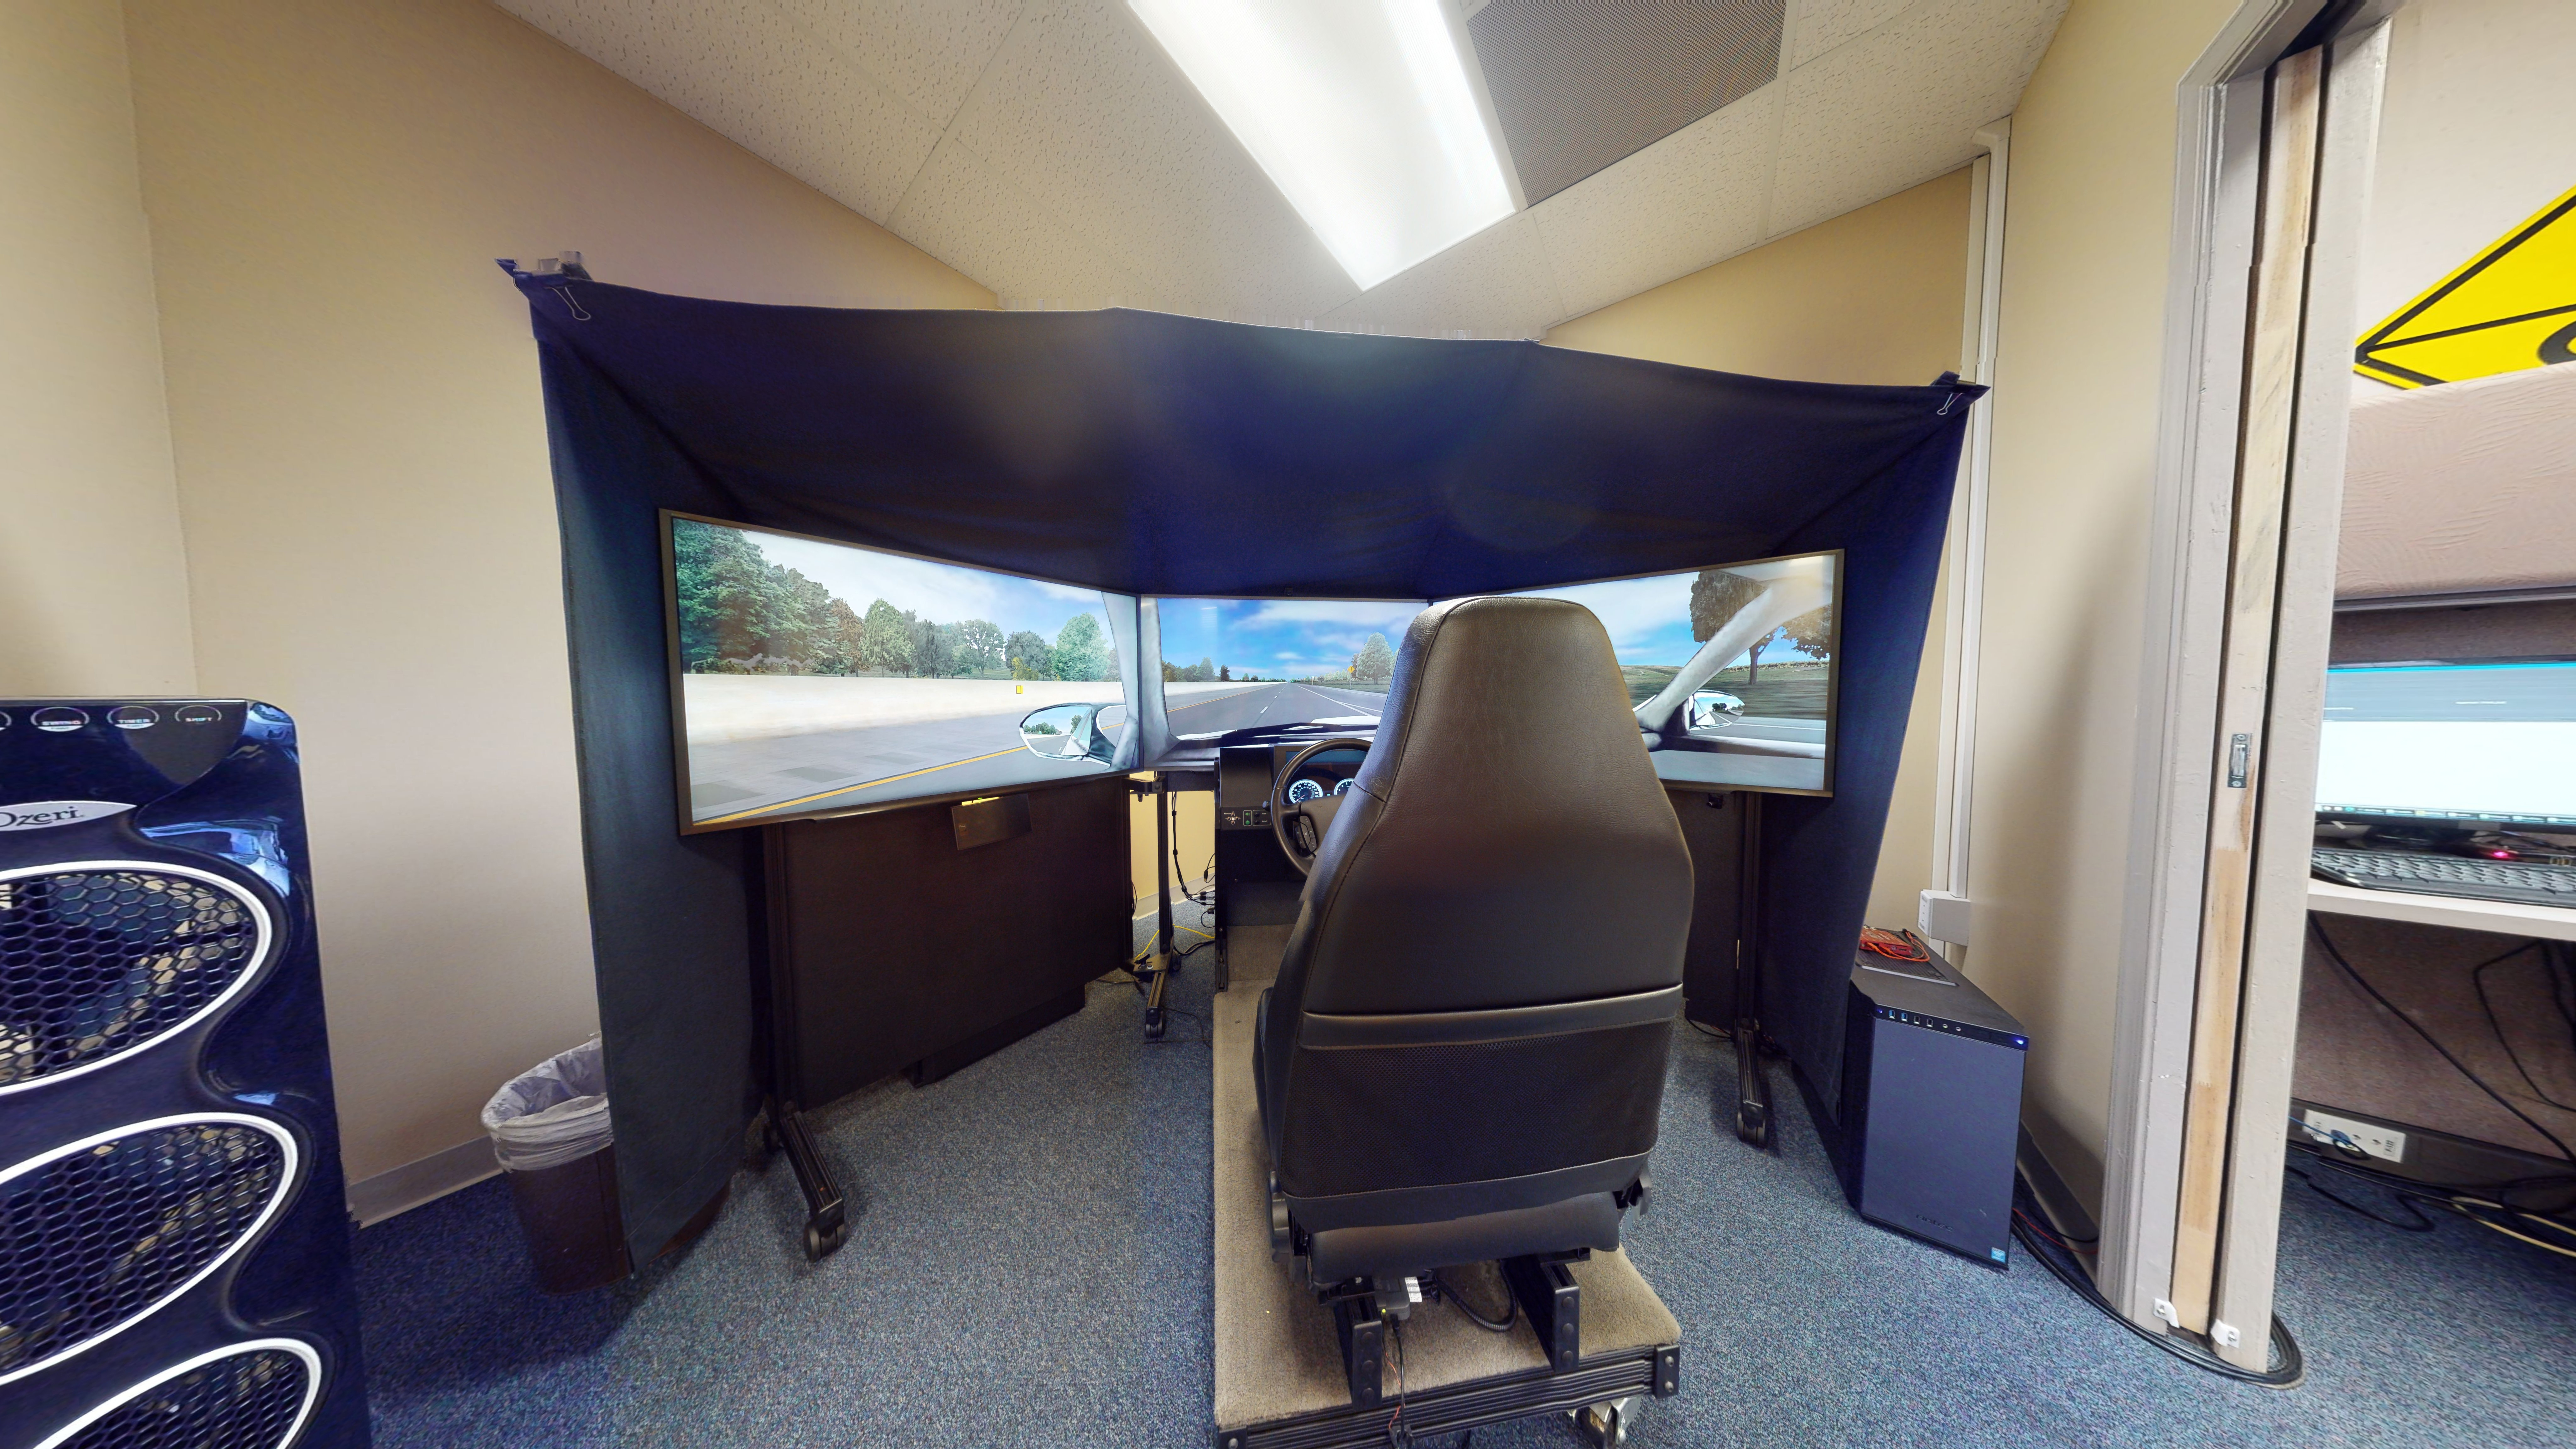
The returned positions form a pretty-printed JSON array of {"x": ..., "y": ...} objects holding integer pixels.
[{"x": 1247, "y": 768}]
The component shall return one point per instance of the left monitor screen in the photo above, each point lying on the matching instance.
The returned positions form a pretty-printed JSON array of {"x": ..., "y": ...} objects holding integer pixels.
[{"x": 815, "y": 678}]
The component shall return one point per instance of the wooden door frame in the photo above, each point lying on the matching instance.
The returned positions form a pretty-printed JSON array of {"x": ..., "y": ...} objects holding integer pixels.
[{"x": 2221, "y": 103}]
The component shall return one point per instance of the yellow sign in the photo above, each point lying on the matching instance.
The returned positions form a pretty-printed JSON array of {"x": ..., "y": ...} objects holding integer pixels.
[{"x": 2511, "y": 307}]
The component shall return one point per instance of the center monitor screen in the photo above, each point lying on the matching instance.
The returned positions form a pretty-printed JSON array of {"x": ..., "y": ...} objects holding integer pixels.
[
  {"x": 1231, "y": 664},
  {"x": 812, "y": 677}
]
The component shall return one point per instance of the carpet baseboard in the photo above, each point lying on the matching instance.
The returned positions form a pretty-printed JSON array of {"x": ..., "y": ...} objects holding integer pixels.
[{"x": 420, "y": 1182}]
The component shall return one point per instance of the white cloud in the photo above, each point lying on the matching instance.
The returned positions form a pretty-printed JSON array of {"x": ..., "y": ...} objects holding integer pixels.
[
  {"x": 1633, "y": 610},
  {"x": 1378, "y": 614}
]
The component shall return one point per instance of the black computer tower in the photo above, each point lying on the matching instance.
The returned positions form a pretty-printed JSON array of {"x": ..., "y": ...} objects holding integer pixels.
[
  {"x": 1931, "y": 1106},
  {"x": 174, "y": 1240}
]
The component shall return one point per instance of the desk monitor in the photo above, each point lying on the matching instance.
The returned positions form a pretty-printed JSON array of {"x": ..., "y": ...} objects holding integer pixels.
[
  {"x": 2470, "y": 746},
  {"x": 815, "y": 678},
  {"x": 1233, "y": 664},
  {"x": 1731, "y": 668}
]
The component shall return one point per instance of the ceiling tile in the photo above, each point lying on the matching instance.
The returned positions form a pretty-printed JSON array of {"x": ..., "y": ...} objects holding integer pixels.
[
  {"x": 1493, "y": 284},
  {"x": 1080, "y": 168},
  {"x": 750, "y": 73},
  {"x": 929, "y": 52},
  {"x": 1665, "y": 212},
  {"x": 1083, "y": 113},
  {"x": 980, "y": 221},
  {"x": 1577, "y": 87},
  {"x": 1901, "y": 104},
  {"x": 1817, "y": 26}
]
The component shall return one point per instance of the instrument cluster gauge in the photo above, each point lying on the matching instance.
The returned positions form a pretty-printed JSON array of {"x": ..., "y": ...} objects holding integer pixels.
[
  {"x": 1341, "y": 787},
  {"x": 1304, "y": 790}
]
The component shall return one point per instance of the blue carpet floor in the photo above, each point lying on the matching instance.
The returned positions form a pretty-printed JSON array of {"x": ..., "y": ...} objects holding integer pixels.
[{"x": 1029, "y": 1265}]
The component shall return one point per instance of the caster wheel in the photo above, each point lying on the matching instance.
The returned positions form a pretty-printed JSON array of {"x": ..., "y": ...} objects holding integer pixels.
[
  {"x": 820, "y": 1244},
  {"x": 1601, "y": 1425}
]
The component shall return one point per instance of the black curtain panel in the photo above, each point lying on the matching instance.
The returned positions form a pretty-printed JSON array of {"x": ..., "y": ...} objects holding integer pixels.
[{"x": 1157, "y": 455}]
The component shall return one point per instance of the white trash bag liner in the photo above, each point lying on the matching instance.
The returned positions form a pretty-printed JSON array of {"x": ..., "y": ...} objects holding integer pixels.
[{"x": 553, "y": 1113}]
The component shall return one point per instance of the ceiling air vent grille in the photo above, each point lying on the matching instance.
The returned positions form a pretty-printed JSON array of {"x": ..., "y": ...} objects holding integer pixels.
[{"x": 1579, "y": 84}]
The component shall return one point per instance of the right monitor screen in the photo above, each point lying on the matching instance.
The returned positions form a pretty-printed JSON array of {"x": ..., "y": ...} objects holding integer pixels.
[{"x": 1731, "y": 668}]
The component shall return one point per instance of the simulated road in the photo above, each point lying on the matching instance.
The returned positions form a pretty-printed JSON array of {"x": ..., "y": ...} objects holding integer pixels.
[
  {"x": 737, "y": 781},
  {"x": 1199, "y": 713},
  {"x": 741, "y": 780}
]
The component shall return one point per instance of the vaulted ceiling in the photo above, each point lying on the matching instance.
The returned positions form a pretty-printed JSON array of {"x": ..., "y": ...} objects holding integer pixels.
[{"x": 1051, "y": 150}]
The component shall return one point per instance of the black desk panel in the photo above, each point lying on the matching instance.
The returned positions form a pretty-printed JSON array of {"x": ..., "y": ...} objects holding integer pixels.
[{"x": 895, "y": 945}]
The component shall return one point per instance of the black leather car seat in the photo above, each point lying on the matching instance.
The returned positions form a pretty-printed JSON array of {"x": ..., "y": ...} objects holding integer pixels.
[{"x": 1463, "y": 1056}]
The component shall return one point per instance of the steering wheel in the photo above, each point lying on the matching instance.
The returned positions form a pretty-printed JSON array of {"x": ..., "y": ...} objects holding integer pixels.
[{"x": 1300, "y": 826}]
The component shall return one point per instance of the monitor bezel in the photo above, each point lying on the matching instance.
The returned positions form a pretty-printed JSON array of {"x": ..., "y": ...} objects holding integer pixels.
[{"x": 679, "y": 705}]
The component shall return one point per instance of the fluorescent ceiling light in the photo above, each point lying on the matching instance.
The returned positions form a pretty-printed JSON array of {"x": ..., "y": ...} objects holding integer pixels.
[{"x": 1360, "y": 111}]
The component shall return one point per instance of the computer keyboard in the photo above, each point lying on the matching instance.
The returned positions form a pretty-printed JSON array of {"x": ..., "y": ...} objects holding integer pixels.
[{"x": 2448, "y": 875}]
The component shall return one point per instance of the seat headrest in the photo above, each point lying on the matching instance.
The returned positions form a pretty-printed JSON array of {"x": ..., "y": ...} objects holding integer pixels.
[{"x": 1517, "y": 688}]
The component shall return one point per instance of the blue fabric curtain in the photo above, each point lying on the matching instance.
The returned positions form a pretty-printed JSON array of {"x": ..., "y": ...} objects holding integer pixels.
[{"x": 1159, "y": 455}]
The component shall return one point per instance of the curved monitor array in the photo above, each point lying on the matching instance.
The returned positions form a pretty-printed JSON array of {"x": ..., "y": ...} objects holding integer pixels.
[
  {"x": 145, "y": 1159},
  {"x": 810, "y": 677}
]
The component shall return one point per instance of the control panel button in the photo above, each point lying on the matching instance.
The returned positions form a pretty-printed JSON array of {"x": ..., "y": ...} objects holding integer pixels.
[
  {"x": 133, "y": 717},
  {"x": 57, "y": 719},
  {"x": 198, "y": 714}
]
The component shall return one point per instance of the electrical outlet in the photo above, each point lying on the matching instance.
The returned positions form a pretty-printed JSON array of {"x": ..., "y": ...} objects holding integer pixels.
[
  {"x": 2385, "y": 1143},
  {"x": 1943, "y": 917}
]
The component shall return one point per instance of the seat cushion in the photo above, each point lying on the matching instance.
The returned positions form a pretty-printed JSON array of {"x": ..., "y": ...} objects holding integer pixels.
[{"x": 1589, "y": 1221}]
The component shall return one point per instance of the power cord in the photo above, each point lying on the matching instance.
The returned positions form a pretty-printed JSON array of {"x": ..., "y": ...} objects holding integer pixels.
[
  {"x": 2335, "y": 954},
  {"x": 1457, "y": 1300},
  {"x": 2289, "y": 1367},
  {"x": 2550, "y": 959},
  {"x": 2468, "y": 1201}
]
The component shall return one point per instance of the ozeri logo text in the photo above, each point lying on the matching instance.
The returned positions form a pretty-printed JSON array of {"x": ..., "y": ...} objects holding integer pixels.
[{"x": 45, "y": 814}]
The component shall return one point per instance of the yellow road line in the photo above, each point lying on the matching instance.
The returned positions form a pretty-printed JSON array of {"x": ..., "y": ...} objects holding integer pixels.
[{"x": 846, "y": 789}]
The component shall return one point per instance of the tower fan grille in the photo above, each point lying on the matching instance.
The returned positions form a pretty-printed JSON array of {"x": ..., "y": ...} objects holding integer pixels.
[
  {"x": 96, "y": 963},
  {"x": 95, "y": 1235},
  {"x": 253, "y": 1398}
]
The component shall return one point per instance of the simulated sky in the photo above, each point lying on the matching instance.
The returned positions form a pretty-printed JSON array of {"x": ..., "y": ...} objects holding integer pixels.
[
  {"x": 941, "y": 593},
  {"x": 1280, "y": 638},
  {"x": 1649, "y": 619}
]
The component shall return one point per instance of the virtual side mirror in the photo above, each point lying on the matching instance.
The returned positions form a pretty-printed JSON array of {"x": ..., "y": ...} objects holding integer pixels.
[
  {"x": 1068, "y": 732},
  {"x": 1712, "y": 709}
]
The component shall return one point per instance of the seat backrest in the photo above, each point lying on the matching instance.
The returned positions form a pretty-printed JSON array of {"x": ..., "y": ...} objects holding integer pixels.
[{"x": 1506, "y": 867}]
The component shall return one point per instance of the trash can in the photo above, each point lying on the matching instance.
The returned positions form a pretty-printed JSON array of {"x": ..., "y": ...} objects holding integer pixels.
[{"x": 550, "y": 1132}]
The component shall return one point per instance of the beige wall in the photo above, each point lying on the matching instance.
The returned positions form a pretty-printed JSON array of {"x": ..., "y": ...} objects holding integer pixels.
[
  {"x": 2077, "y": 375},
  {"x": 2474, "y": 136},
  {"x": 1873, "y": 296},
  {"x": 1194, "y": 813},
  {"x": 93, "y": 582},
  {"x": 363, "y": 472}
]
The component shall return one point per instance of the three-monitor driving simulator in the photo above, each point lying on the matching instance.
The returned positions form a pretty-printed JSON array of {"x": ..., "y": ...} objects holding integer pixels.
[{"x": 812, "y": 678}]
